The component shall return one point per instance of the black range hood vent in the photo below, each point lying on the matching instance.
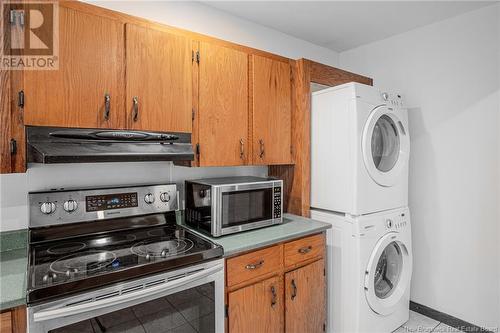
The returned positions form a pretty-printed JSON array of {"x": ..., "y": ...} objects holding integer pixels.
[{"x": 75, "y": 145}]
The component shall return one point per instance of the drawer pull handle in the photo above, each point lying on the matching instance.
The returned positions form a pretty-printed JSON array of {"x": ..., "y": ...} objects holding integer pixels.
[
  {"x": 255, "y": 266},
  {"x": 294, "y": 289},
  {"x": 305, "y": 250},
  {"x": 275, "y": 296}
]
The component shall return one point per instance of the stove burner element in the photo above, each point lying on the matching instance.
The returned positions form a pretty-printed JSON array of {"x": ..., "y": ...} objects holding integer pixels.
[
  {"x": 89, "y": 261},
  {"x": 162, "y": 248},
  {"x": 66, "y": 248}
]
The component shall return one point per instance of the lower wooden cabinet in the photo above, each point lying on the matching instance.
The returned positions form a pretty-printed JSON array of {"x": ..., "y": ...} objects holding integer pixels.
[
  {"x": 304, "y": 302},
  {"x": 257, "y": 307},
  {"x": 13, "y": 320},
  {"x": 275, "y": 297}
]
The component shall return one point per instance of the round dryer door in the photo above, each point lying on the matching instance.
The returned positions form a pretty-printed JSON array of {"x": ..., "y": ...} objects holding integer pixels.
[
  {"x": 388, "y": 274},
  {"x": 385, "y": 146}
]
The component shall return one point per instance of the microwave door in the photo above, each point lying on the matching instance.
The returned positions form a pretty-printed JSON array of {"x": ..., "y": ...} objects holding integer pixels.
[{"x": 245, "y": 207}]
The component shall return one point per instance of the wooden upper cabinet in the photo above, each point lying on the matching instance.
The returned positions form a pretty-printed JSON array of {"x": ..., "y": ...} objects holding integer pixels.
[
  {"x": 305, "y": 302},
  {"x": 159, "y": 88},
  {"x": 257, "y": 308},
  {"x": 271, "y": 111},
  {"x": 223, "y": 106},
  {"x": 91, "y": 66}
]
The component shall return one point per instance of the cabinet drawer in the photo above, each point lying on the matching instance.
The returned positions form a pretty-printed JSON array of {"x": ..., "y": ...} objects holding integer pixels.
[
  {"x": 304, "y": 249},
  {"x": 253, "y": 264},
  {"x": 6, "y": 322}
]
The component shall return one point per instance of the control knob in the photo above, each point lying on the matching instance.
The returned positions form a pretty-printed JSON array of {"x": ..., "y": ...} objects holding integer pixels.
[
  {"x": 389, "y": 223},
  {"x": 70, "y": 205},
  {"x": 48, "y": 207},
  {"x": 149, "y": 198},
  {"x": 165, "y": 197}
]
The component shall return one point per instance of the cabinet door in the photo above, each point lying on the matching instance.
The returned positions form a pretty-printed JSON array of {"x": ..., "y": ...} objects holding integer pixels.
[
  {"x": 159, "y": 89},
  {"x": 272, "y": 111},
  {"x": 257, "y": 308},
  {"x": 223, "y": 106},
  {"x": 305, "y": 306},
  {"x": 91, "y": 66}
]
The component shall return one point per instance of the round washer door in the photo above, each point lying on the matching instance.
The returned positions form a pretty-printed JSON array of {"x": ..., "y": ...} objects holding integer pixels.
[
  {"x": 385, "y": 146},
  {"x": 388, "y": 274}
]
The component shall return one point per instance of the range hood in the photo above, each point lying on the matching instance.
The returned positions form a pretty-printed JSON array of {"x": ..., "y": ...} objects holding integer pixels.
[{"x": 76, "y": 145}]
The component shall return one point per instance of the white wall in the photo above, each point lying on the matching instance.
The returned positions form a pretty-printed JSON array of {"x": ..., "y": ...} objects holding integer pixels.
[
  {"x": 448, "y": 74},
  {"x": 188, "y": 15}
]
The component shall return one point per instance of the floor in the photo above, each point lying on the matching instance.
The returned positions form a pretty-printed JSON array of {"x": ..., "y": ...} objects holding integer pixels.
[{"x": 423, "y": 324}]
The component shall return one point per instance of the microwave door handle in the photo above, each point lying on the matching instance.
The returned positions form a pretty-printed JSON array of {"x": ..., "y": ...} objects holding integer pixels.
[{"x": 123, "y": 298}]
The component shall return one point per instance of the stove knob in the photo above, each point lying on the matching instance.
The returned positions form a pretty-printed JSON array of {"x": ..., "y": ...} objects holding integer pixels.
[
  {"x": 148, "y": 257},
  {"x": 389, "y": 223},
  {"x": 149, "y": 198},
  {"x": 48, "y": 207},
  {"x": 385, "y": 96},
  {"x": 70, "y": 205},
  {"x": 164, "y": 253},
  {"x": 165, "y": 197}
]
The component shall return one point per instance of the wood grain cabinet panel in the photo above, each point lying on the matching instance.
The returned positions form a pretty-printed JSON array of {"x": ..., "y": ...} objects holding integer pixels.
[
  {"x": 6, "y": 322},
  {"x": 257, "y": 308},
  {"x": 91, "y": 65},
  {"x": 304, "y": 249},
  {"x": 159, "y": 88},
  {"x": 272, "y": 111},
  {"x": 254, "y": 264},
  {"x": 13, "y": 320},
  {"x": 223, "y": 106},
  {"x": 305, "y": 302}
]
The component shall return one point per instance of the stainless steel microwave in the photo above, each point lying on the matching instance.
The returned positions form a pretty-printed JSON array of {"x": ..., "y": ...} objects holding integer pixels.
[{"x": 222, "y": 206}]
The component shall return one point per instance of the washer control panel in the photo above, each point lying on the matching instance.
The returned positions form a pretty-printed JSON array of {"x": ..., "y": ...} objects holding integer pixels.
[
  {"x": 396, "y": 222},
  {"x": 70, "y": 206}
]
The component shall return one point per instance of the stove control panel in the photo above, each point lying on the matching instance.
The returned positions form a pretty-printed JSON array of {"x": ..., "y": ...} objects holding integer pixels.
[{"x": 71, "y": 206}]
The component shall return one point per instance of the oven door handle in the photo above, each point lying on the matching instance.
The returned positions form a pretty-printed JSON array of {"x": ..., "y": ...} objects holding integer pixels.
[{"x": 65, "y": 311}]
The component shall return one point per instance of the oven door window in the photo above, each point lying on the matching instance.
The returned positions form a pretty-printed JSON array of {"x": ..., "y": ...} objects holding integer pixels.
[
  {"x": 190, "y": 310},
  {"x": 246, "y": 206}
]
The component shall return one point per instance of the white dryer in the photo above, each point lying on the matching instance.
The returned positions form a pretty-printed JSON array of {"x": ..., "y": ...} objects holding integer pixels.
[
  {"x": 369, "y": 270},
  {"x": 360, "y": 148}
]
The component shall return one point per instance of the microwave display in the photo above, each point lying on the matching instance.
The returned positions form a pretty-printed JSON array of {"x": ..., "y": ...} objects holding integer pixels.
[{"x": 246, "y": 206}]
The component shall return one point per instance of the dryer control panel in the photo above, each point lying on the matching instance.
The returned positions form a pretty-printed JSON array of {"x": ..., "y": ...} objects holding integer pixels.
[{"x": 395, "y": 100}]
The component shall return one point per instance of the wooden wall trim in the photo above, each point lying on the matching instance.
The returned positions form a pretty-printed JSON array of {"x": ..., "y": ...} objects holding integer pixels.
[
  {"x": 331, "y": 76},
  {"x": 297, "y": 178},
  {"x": 5, "y": 96}
]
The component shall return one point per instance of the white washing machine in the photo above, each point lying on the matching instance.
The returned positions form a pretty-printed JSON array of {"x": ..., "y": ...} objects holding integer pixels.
[
  {"x": 360, "y": 148},
  {"x": 369, "y": 270}
]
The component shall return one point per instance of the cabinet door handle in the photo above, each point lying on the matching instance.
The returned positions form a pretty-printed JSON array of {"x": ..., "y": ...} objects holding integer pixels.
[
  {"x": 262, "y": 148},
  {"x": 305, "y": 250},
  {"x": 255, "y": 266},
  {"x": 274, "y": 296},
  {"x": 107, "y": 106},
  {"x": 294, "y": 289},
  {"x": 242, "y": 149},
  {"x": 135, "y": 113}
]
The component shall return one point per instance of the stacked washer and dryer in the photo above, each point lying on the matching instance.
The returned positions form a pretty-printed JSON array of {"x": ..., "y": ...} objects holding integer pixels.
[{"x": 359, "y": 183}]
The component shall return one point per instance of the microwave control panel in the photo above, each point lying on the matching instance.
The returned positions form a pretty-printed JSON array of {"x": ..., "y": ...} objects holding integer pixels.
[{"x": 277, "y": 202}]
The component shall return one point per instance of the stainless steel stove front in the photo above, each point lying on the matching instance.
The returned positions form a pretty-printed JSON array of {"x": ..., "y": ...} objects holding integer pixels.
[{"x": 166, "y": 290}]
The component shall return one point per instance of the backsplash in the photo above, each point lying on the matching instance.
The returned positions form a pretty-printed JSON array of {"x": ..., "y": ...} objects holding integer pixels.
[{"x": 14, "y": 187}]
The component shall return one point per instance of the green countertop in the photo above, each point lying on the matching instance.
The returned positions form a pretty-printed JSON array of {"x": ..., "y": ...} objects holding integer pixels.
[
  {"x": 292, "y": 227},
  {"x": 13, "y": 267}
]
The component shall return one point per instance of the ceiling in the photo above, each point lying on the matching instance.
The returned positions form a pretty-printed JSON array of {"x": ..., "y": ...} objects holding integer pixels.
[{"x": 342, "y": 25}]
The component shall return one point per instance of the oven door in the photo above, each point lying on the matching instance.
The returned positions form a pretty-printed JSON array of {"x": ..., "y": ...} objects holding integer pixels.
[
  {"x": 243, "y": 207},
  {"x": 186, "y": 300}
]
